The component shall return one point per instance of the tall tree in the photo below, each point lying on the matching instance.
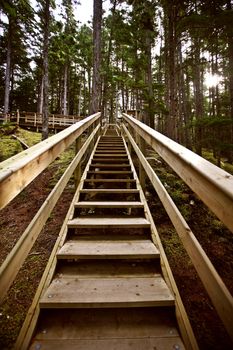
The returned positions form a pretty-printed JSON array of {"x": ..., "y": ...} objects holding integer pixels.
[
  {"x": 45, "y": 117},
  {"x": 96, "y": 81}
]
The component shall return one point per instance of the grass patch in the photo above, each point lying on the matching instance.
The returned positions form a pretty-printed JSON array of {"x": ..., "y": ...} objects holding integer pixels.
[{"x": 10, "y": 146}]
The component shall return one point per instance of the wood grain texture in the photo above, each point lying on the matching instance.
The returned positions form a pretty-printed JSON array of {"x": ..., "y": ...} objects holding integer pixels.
[
  {"x": 74, "y": 292},
  {"x": 109, "y": 222},
  {"x": 96, "y": 249}
]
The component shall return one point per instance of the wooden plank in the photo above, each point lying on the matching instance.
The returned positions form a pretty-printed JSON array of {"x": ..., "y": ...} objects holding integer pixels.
[
  {"x": 110, "y": 155},
  {"x": 109, "y": 180},
  {"x": 18, "y": 171},
  {"x": 107, "y": 324},
  {"x": 110, "y": 190},
  {"x": 18, "y": 254},
  {"x": 75, "y": 292},
  {"x": 106, "y": 249},
  {"x": 219, "y": 294},
  {"x": 120, "y": 161},
  {"x": 108, "y": 222},
  {"x": 113, "y": 344},
  {"x": 108, "y": 151},
  {"x": 95, "y": 204},
  {"x": 98, "y": 165},
  {"x": 114, "y": 268},
  {"x": 109, "y": 172}
]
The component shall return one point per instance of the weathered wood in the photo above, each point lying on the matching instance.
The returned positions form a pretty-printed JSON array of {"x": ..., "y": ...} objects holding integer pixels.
[
  {"x": 77, "y": 172},
  {"x": 110, "y": 172},
  {"x": 113, "y": 344},
  {"x": 23, "y": 143},
  {"x": 18, "y": 254},
  {"x": 106, "y": 249},
  {"x": 219, "y": 294},
  {"x": 122, "y": 204},
  {"x": 98, "y": 165},
  {"x": 110, "y": 161},
  {"x": 109, "y": 180},
  {"x": 108, "y": 324},
  {"x": 212, "y": 184},
  {"x": 18, "y": 171},
  {"x": 109, "y": 222},
  {"x": 110, "y": 155},
  {"x": 76, "y": 292},
  {"x": 110, "y": 190}
]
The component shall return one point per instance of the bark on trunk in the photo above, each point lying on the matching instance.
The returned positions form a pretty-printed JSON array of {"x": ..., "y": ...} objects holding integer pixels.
[
  {"x": 65, "y": 111},
  {"x": 230, "y": 55},
  {"x": 8, "y": 69},
  {"x": 96, "y": 83},
  {"x": 198, "y": 96},
  {"x": 40, "y": 97},
  {"x": 45, "y": 119}
]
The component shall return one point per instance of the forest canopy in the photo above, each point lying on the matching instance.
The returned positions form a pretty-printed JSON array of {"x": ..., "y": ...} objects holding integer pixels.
[{"x": 172, "y": 60}]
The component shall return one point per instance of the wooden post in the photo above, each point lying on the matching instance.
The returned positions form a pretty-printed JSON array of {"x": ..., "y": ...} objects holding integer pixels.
[
  {"x": 17, "y": 117},
  {"x": 34, "y": 119},
  {"x": 142, "y": 147},
  {"x": 77, "y": 172}
]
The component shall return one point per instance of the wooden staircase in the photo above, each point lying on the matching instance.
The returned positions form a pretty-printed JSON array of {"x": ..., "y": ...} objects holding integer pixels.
[{"x": 108, "y": 291}]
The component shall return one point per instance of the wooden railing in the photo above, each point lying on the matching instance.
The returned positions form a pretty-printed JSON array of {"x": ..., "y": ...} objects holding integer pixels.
[
  {"x": 18, "y": 171},
  {"x": 35, "y": 119},
  {"x": 213, "y": 185}
]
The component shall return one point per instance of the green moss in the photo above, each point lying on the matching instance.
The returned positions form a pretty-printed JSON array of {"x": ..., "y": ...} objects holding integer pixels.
[
  {"x": 29, "y": 137},
  {"x": 10, "y": 146}
]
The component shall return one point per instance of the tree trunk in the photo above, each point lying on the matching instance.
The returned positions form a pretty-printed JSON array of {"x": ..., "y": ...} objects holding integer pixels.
[
  {"x": 8, "y": 68},
  {"x": 40, "y": 97},
  {"x": 65, "y": 111},
  {"x": 149, "y": 82},
  {"x": 184, "y": 100},
  {"x": 172, "y": 72},
  {"x": 198, "y": 95},
  {"x": 230, "y": 56},
  {"x": 45, "y": 118},
  {"x": 96, "y": 83}
]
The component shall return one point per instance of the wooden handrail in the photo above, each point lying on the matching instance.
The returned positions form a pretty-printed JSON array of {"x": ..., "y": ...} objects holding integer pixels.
[
  {"x": 213, "y": 185},
  {"x": 219, "y": 294},
  {"x": 18, "y": 254},
  {"x": 18, "y": 171}
]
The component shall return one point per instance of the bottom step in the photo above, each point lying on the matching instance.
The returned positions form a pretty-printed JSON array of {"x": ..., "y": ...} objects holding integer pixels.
[{"x": 108, "y": 329}]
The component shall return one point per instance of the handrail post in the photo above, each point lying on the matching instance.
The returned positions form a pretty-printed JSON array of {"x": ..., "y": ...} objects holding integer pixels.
[
  {"x": 17, "y": 115},
  {"x": 142, "y": 146},
  {"x": 77, "y": 172}
]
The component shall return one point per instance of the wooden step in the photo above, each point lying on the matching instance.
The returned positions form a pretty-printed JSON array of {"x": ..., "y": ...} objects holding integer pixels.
[
  {"x": 110, "y": 222},
  {"x": 113, "y": 344},
  {"x": 108, "y": 329},
  {"x": 110, "y": 161},
  {"x": 107, "y": 150},
  {"x": 120, "y": 166},
  {"x": 110, "y": 190},
  {"x": 107, "y": 249},
  {"x": 74, "y": 292},
  {"x": 109, "y": 180},
  {"x": 112, "y": 148},
  {"x": 110, "y": 155},
  {"x": 98, "y": 204},
  {"x": 110, "y": 172}
]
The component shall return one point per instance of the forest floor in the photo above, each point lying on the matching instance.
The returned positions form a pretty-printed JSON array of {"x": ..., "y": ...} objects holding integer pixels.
[{"x": 211, "y": 233}]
